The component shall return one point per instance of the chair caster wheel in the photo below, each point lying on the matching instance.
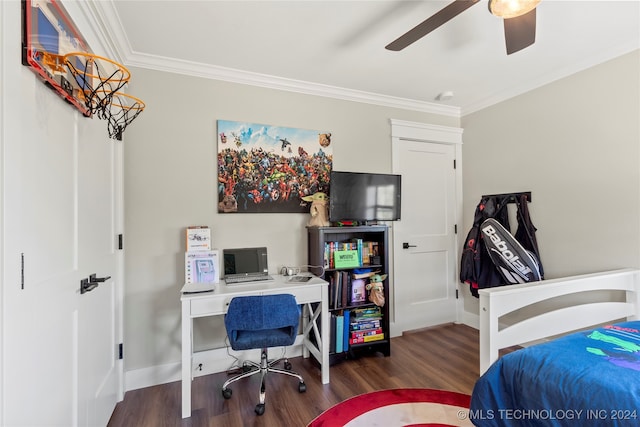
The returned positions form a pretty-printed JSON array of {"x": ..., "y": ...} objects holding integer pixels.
[
  {"x": 287, "y": 365},
  {"x": 260, "y": 408},
  {"x": 302, "y": 387},
  {"x": 226, "y": 393}
]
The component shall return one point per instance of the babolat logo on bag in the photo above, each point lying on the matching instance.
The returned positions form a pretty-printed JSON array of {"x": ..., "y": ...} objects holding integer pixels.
[{"x": 515, "y": 263}]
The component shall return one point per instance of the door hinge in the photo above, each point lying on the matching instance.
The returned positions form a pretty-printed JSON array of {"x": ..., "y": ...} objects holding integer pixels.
[
  {"x": 22, "y": 270},
  {"x": 457, "y": 296},
  {"x": 120, "y": 243},
  {"x": 455, "y": 229},
  {"x": 454, "y": 163},
  {"x": 121, "y": 350}
]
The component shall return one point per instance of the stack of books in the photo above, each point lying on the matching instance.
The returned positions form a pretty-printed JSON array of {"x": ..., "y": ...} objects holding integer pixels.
[{"x": 366, "y": 325}]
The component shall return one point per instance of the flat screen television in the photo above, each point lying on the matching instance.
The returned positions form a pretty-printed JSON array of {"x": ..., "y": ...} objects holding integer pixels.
[{"x": 364, "y": 197}]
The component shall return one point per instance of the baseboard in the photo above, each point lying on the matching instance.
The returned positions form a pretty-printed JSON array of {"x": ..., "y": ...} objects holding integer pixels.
[
  {"x": 203, "y": 363},
  {"x": 470, "y": 319}
]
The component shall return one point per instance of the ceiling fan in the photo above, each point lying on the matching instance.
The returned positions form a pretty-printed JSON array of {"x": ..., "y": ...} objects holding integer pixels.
[{"x": 519, "y": 22}]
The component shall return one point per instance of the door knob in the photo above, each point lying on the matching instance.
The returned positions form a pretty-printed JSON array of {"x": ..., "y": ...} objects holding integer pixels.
[
  {"x": 406, "y": 245},
  {"x": 94, "y": 279},
  {"x": 85, "y": 286}
]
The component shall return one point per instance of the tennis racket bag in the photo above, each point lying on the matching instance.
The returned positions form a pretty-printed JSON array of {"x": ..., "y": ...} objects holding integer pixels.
[{"x": 514, "y": 263}]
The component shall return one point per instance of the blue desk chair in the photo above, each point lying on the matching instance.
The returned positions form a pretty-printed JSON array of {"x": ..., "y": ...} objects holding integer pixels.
[{"x": 262, "y": 322}]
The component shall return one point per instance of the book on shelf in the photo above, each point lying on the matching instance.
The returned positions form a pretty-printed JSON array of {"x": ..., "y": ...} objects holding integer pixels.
[
  {"x": 367, "y": 313},
  {"x": 346, "y": 290},
  {"x": 345, "y": 340},
  {"x": 198, "y": 238},
  {"x": 339, "y": 333},
  {"x": 335, "y": 283},
  {"x": 332, "y": 328},
  {"x": 369, "y": 338},
  {"x": 365, "y": 332},
  {"x": 364, "y": 324},
  {"x": 357, "y": 242}
]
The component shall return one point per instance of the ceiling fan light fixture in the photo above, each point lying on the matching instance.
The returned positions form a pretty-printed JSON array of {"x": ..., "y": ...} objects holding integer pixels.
[{"x": 511, "y": 8}]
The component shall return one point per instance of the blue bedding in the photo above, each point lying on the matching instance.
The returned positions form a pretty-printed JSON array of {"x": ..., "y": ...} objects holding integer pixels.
[{"x": 589, "y": 378}]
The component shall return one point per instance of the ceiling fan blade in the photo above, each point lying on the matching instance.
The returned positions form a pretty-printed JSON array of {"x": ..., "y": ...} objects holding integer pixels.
[
  {"x": 520, "y": 32},
  {"x": 442, "y": 16}
]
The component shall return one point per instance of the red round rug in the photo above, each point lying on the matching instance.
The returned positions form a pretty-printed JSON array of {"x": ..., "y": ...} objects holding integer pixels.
[{"x": 406, "y": 407}]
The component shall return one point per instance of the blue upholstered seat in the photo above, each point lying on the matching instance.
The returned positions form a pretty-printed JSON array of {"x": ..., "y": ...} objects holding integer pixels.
[{"x": 260, "y": 322}]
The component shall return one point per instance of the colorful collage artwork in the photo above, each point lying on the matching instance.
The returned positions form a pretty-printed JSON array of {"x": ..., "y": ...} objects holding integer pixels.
[{"x": 263, "y": 168}]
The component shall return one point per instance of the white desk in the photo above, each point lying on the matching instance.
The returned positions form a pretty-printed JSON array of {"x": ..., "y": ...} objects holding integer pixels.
[{"x": 216, "y": 303}]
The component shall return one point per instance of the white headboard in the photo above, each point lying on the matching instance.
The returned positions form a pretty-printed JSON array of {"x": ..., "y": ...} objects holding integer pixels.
[{"x": 500, "y": 301}]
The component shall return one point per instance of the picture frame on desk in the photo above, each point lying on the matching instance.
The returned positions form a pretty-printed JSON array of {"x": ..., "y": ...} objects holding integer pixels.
[
  {"x": 202, "y": 267},
  {"x": 358, "y": 292},
  {"x": 198, "y": 238}
]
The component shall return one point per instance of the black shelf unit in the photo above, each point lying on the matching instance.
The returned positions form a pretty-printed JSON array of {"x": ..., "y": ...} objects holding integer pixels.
[{"x": 317, "y": 237}]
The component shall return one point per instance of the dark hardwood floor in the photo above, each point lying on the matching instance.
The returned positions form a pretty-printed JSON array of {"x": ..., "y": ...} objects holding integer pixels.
[{"x": 442, "y": 357}]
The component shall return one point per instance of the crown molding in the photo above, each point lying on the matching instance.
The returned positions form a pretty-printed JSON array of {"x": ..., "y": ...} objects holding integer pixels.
[
  {"x": 197, "y": 69},
  {"x": 102, "y": 14}
]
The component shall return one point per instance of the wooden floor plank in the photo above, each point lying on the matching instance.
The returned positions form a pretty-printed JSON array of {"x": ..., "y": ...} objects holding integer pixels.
[{"x": 442, "y": 357}]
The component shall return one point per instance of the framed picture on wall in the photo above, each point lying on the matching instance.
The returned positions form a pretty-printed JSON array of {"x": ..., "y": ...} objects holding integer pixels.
[{"x": 264, "y": 168}]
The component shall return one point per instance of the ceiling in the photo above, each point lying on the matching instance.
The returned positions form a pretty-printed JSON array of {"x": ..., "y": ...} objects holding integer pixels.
[{"x": 336, "y": 48}]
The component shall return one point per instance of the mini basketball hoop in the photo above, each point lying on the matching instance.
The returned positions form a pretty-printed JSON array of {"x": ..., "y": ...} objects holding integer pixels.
[
  {"x": 98, "y": 78},
  {"x": 119, "y": 112}
]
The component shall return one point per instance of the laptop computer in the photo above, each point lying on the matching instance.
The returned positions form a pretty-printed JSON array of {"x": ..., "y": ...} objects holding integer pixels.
[{"x": 245, "y": 265}]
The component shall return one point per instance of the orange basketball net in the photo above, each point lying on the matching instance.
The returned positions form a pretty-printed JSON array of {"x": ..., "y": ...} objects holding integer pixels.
[
  {"x": 100, "y": 80},
  {"x": 97, "y": 77}
]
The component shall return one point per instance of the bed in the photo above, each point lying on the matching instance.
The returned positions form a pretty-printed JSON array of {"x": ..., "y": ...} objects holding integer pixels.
[{"x": 589, "y": 377}]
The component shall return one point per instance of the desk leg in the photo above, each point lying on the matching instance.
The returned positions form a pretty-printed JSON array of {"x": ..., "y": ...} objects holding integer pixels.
[
  {"x": 186, "y": 358},
  {"x": 306, "y": 315},
  {"x": 324, "y": 321}
]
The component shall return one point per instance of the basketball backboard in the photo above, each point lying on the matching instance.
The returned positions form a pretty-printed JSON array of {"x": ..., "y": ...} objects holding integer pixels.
[{"x": 49, "y": 34}]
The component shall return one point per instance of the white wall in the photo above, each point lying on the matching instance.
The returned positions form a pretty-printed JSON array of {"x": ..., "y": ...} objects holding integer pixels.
[
  {"x": 170, "y": 175},
  {"x": 575, "y": 144}
]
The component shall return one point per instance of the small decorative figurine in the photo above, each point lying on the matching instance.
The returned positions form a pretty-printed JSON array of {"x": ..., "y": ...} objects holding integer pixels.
[
  {"x": 319, "y": 210},
  {"x": 376, "y": 289},
  {"x": 228, "y": 204}
]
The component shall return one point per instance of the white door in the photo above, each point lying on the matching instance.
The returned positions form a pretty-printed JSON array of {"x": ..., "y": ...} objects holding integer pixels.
[
  {"x": 98, "y": 335},
  {"x": 425, "y": 241},
  {"x": 40, "y": 270},
  {"x": 60, "y": 217}
]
